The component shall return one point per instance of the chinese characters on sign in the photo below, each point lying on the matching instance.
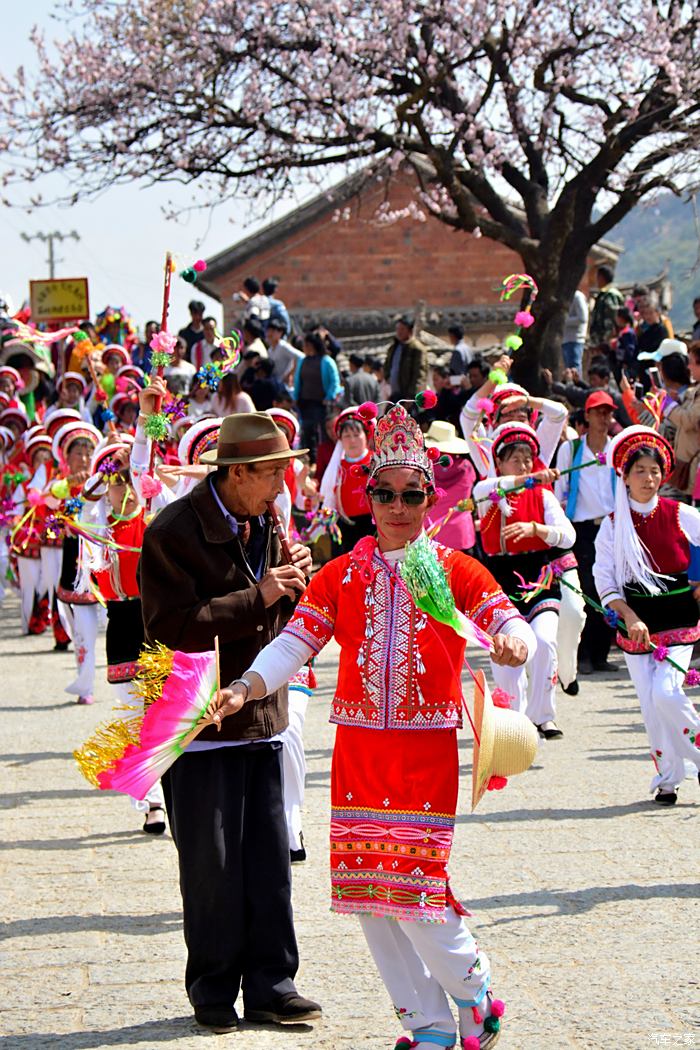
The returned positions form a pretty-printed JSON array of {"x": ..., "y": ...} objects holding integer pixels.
[{"x": 64, "y": 299}]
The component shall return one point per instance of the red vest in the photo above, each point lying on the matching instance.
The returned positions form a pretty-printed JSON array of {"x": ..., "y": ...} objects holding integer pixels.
[
  {"x": 119, "y": 581},
  {"x": 351, "y": 491},
  {"x": 527, "y": 505},
  {"x": 661, "y": 534}
]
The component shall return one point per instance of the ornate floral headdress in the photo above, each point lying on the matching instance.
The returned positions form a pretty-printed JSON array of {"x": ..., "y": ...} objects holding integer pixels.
[{"x": 398, "y": 442}]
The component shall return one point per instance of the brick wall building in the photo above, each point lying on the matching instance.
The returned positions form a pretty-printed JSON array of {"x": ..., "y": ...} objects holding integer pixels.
[{"x": 339, "y": 264}]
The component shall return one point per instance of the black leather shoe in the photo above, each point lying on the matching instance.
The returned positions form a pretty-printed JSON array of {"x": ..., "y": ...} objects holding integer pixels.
[
  {"x": 290, "y": 1009},
  {"x": 219, "y": 1019},
  {"x": 298, "y": 856},
  {"x": 665, "y": 798},
  {"x": 584, "y": 665},
  {"x": 572, "y": 688},
  {"x": 552, "y": 732},
  {"x": 606, "y": 666}
]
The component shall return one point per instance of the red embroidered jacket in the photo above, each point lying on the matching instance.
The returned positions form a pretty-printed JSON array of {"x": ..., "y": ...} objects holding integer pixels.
[
  {"x": 120, "y": 580},
  {"x": 399, "y": 668}
]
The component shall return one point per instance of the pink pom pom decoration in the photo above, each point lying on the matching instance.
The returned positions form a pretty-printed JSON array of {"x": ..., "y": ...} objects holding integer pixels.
[
  {"x": 660, "y": 653},
  {"x": 150, "y": 486},
  {"x": 367, "y": 410},
  {"x": 501, "y": 698},
  {"x": 35, "y": 497},
  {"x": 524, "y": 319},
  {"x": 200, "y": 266},
  {"x": 494, "y": 496},
  {"x": 486, "y": 405},
  {"x": 428, "y": 399},
  {"x": 496, "y": 783},
  {"x": 692, "y": 677},
  {"x": 498, "y": 1008},
  {"x": 471, "y": 1043},
  {"x": 433, "y": 454},
  {"x": 163, "y": 343}
]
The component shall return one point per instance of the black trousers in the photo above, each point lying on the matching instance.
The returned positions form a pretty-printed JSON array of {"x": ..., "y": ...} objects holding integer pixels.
[
  {"x": 226, "y": 814},
  {"x": 596, "y": 637}
]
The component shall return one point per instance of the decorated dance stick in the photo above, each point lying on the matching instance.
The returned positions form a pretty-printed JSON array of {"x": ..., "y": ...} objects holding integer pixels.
[
  {"x": 545, "y": 581},
  {"x": 497, "y": 494},
  {"x": 161, "y": 345}
]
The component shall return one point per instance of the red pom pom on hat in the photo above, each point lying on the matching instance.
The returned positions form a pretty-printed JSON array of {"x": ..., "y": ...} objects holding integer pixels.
[
  {"x": 368, "y": 410},
  {"x": 200, "y": 266},
  {"x": 426, "y": 399},
  {"x": 433, "y": 453}
]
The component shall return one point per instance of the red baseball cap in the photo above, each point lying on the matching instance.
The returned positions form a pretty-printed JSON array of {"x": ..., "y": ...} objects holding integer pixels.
[{"x": 597, "y": 399}]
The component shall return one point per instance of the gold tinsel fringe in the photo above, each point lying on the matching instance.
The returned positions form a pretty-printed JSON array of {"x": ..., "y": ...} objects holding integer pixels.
[
  {"x": 155, "y": 665},
  {"x": 106, "y": 746}
]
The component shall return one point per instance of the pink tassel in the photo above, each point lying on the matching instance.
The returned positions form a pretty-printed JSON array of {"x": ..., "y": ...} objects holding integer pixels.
[
  {"x": 501, "y": 698},
  {"x": 486, "y": 405},
  {"x": 477, "y": 1017},
  {"x": 200, "y": 266},
  {"x": 35, "y": 497},
  {"x": 496, "y": 783},
  {"x": 524, "y": 318},
  {"x": 150, "y": 486},
  {"x": 471, "y": 1043},
  {"x": 498, "y": 1008}
]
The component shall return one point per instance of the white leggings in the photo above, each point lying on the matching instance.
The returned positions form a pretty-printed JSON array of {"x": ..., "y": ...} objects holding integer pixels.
[
  {"x": 669, "y": 716},
  {"x": 533, "y": 686},
  {"x": 421, "y": 963},
  {"x": 294, "y": 765},
  {"x": 572, "y": 618},
  {"x": 51, "y": 559},
  {"x": 29, "y": 574},
  {"x": 82, "y": 627}
]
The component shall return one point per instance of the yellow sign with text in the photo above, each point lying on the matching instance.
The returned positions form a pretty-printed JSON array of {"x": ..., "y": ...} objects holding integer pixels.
[{"x": 63, "y": 299}]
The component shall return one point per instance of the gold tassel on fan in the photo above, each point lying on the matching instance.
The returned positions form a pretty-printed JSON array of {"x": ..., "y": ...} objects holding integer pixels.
[
  {"x": 155, "y": 665},
  {"x": 107, "y": 744}
]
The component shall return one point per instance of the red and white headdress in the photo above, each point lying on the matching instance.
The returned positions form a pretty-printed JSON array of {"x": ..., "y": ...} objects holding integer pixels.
[
  {"x": 8, "y": 370},
  {"x": 515, "y": 434},
  {"x": 59, "y": 418},
  {"x": 288, "y": 422},
  {"x": 631, "y": 440},
  {"x": 354, "y": 415},
  {"x": 201, "y": 437},
  {"x": 75, "y": 430},
  {"x": 120, "y": 401},
  {"x": 16, "y": 416},
  {"x": 73, "y": 377},
  {"x": 37, "y": 441},
  {"x": 115, "y": 348}
]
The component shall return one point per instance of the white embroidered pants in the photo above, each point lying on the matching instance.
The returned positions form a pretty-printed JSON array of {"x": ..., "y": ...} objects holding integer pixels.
[
  {"x": 572, "y": 618},
  {"x": 29, "y": 574},
  {"x": 124, "y": 702},
  {"x": 421, "y": 963},
  {"x": 51, "y": 559},
  {"x": 533, "y": 687},
  {"x": 83, "y": 631},
  {"x": 4, "y": 562},
  {"x": 294, "y": 765},
  {"x": 669, "y": 716}
]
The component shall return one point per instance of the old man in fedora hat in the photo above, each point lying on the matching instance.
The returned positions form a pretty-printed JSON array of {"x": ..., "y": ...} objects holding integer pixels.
[{"x": 212, "y": 566}]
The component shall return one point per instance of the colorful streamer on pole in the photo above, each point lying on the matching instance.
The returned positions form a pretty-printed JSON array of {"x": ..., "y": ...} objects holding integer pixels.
[{"x": 519, "y": 282}]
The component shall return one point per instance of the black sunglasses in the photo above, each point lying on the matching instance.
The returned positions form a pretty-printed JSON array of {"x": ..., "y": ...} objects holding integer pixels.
[{"x": 410, "y": 497}]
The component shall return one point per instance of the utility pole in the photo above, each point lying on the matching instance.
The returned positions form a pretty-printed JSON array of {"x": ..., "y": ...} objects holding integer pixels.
[{"x": 50, "y": 238}]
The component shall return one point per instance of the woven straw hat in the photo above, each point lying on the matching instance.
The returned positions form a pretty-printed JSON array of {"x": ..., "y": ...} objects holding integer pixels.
[
  {"x": 443, "y": 437},
  {"x": 508, "y": 741}
]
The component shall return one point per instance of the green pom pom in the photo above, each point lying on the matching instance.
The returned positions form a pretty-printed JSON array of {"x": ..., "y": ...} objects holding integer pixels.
[
  {"x": 160, "y": 359},
  {"x": 156, "y": 427},
  {"x": 189, "y": 275},
  {"x": 513, "y": 342},
  {"x": 498, "y": 376},
  {"x": 492, "y": 1025}
]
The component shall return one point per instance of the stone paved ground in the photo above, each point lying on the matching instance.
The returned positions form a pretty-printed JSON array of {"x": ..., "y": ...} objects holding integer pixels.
[{"x": 585, "y": 895}]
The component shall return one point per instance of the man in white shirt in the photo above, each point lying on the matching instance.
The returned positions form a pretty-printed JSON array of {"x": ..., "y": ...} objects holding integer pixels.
[
  {"x": 283, "y": 355},
  {"x": 588, "y": 496},
  {"x": 202, "y": 351}
]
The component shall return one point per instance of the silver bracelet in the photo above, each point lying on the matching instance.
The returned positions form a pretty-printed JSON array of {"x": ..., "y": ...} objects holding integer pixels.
[{"x": 246, "y": 683}]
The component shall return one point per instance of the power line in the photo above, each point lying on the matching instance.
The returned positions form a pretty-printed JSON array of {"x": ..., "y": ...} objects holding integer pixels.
[{"x": 50, "y": 238}]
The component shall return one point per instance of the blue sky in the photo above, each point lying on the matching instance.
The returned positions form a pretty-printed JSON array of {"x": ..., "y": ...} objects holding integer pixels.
[{"x": 124, "y": 235}]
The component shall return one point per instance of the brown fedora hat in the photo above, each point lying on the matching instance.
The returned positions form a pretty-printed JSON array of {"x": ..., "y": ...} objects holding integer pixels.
[{"x": 250, "y": 437}]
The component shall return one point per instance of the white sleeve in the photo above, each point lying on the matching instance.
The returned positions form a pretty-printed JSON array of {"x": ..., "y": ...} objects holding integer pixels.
[
  {"x": 469, "y": 416},
  {"x": 280, "y": 660},
  {"x": 561, "y": 533},
  {"x": 483, "y": 488},
  {"x": 606, "y": 583},
  {"x": 139, "y": 459},
  {"x": 517, "y": 627},
  {"x": 330, "y": 477},
  {"x": 561, "y": 485},
  {"x": 689, "y": 520},
  {"x": 554, "y": 416}
]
